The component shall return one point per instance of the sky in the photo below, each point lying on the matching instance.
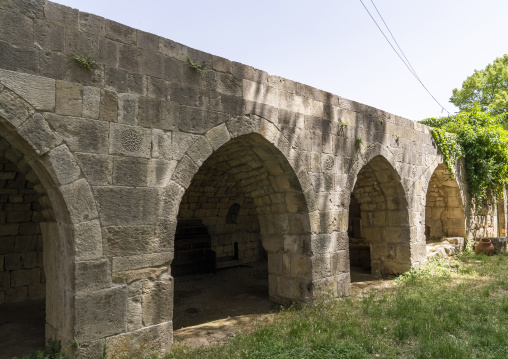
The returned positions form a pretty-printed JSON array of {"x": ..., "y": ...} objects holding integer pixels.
[{"x": 333, "y": 44}]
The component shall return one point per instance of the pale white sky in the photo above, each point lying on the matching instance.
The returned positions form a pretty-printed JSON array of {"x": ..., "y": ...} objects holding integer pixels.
[{"x": 333, "y": 44}]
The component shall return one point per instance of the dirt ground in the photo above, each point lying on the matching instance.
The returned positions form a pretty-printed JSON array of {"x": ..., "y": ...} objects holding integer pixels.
[
  {"x": 211, "y": 308},
  {"x": 21, "y": 328},
  {"x": 208, "y": 309}
]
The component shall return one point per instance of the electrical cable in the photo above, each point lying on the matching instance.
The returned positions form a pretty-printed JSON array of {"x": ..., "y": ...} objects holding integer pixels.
[{"x": 406, "y": 61}]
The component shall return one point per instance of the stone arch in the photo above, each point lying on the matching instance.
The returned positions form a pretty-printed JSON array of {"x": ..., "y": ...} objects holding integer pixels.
[
  {"x": 444, "y": 208},
  {"x": 249, "y": 155},
  {"x": 382, "y": 228},
  {"x": 69, "y": 218}
]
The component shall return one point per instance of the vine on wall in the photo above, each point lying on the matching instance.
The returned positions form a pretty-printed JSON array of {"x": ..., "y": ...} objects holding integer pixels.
[{"x": 479, "y": 138}]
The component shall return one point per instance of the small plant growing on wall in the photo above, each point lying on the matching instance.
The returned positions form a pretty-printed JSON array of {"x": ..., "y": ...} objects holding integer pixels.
[
  {"x": 87, "y": 62},
  {"x": 397, "y": 138},
  {"x": 342, "y": 123},
  {"x": 359, "y": 143},
  {"x": 199, "y": 68}
]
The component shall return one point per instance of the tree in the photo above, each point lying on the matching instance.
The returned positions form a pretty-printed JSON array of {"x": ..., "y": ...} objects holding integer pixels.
[
  {"x": 477, "y": 136},
  {"x": 487, "y": 87}
]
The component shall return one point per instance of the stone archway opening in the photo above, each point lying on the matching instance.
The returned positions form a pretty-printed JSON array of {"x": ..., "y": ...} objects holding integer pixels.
[
  {"x": 24, "y": 209},
  {"x": 241, "y": 235},
  {"x": 445, "y": 221},
  {"x": 378, "y": 226}
]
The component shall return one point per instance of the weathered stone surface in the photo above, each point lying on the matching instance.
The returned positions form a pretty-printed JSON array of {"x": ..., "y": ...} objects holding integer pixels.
[
  {"x": 69, "y": 98},
  {"x": 88, "y": 240},
  {"x": 108, "y": 106},
  {"x": 127, "y": 206},
  {"x": 93, "y": 135},
  {"x": 16, "y": 28},
  {"x": 18, "y": 58},
  {"x": 37, "y": 91},
  {"x": 128, "y": 240},
  {"x": 91, "y": 102},
  {"x": 160, "y": 172},
  {"x": 128, "y": 108},
  {"x": 62, "y": 15},
  {"x": 80, "y": 201},
  {"x": 37, "y": 132},
  {"x": 218, "y": 136},
  {"x": 141, "y": 261},
  {"x": 184, "y": 171},
  {"x": 162, "y": 146},
  {"x": 157, "y": 300},
  {"x": 200, "y": 151},
  {"x": 130, "y": 171},
  {"x": 130, "y": 140},
  {"x": 119, "y": 32},
  {"x": 98, "y": 169},
  {"x": 100, "y": 313},
  {"x": 156, "y": 337},
  {"x": 93, "y": 275},
  {"x": 14, "y": 109},
  {"x": 31, "y": 8},
  {"x": 63, "y": 165}
]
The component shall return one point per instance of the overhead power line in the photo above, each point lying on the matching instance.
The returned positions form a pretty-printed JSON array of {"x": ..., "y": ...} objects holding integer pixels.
[{"x": 403, "y": 58}]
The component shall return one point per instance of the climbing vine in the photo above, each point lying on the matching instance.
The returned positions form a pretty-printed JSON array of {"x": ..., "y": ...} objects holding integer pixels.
[{"x": 479, "y": 138}]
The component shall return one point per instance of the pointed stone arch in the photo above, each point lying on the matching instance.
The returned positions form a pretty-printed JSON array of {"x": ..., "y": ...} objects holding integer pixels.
[
  {"x": 444, "y": 208},
  {"x": 71, "y": 233},
  {"x": 250, "y": 155},
  {"x": 383, "y": 227}
]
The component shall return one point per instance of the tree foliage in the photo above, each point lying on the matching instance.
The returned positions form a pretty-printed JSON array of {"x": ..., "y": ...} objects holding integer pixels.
[
  {"x": 487, "y": 87},
  {"x": 479, "y": 137}
]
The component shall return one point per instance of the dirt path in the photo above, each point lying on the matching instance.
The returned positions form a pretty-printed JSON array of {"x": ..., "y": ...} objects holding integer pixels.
[{"x": 230, "y": 292}]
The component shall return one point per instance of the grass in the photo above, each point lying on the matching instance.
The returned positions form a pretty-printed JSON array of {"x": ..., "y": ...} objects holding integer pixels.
[{"x": 450, "y": 309}]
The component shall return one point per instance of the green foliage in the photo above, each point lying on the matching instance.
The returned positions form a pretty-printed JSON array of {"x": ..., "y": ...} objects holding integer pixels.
[
  {"x": 478, "y": 137},
  {"x": 487, "y": 87},
  {"x": 86, "y": 62},
  {"x": 199, "y": 68},
  {"x": 359, "y": 143}
]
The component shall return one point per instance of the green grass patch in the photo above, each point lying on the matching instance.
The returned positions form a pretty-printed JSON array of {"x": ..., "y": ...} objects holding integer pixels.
[{"x": 449, "y": 309}]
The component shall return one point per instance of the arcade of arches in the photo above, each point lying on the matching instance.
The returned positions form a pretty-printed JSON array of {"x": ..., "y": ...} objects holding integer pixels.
[{"x": 114, "y": 180}]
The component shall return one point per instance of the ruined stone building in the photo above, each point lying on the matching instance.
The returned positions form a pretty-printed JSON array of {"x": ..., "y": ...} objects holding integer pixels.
[{"x": 101, "y": 169}]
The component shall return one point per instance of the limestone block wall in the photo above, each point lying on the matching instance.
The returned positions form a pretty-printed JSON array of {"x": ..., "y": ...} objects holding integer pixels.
[
  {"x": 502, "y": 215},
  {"x": 120, "y": 153},
  {"x": 483, "y": 222},
  {"x": 444, "y": 213},
  {"x": 213, "y": 211},
  {"x": 21, "y": 269}
]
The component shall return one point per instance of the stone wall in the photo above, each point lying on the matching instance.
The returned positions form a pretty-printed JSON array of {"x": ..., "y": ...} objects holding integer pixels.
[
  {"x": 119, "y": 154},
  {"x": 444, "y": 211},
  {"x": 502, "y": 214},
  {"x": 21, "y": 270}
]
